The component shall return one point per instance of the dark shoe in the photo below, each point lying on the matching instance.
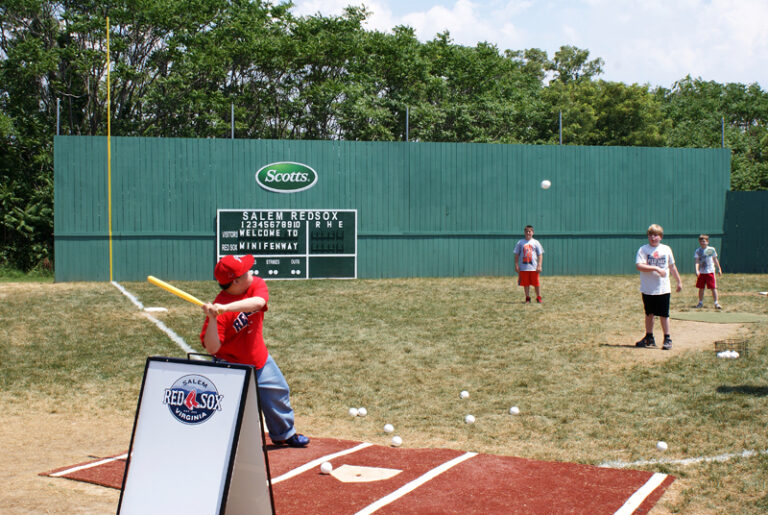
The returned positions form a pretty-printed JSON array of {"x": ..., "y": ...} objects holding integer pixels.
[
  {"x": 699, "y": 305},
  {"x": 527, "y": 300},
  {"x": 667, "y": 344},
  {"x": 296, "y": 440},
  {"x": 538, "y": 299},
  {"x": 646, "y": 342}
]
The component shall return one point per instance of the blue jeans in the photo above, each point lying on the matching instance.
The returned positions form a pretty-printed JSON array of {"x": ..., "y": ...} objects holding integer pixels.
[{"x": 274, "y": 397}]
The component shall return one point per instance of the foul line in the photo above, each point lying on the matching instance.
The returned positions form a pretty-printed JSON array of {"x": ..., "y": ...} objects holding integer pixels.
[
  {"x": 178, "y": 340},
  {"x": 685, "y": 461},
  {"x": 130, "y": 296},
  {"x": 641, "y": 494},
  {"x": 413, "y": 485},
  {"x": 314, "y": 463},
  {"x": 88, "y": 465}
]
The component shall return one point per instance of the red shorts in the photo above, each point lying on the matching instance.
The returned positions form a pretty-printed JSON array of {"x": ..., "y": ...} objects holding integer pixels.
[
  {"x": 707, "y": 280},
  {"x": 530, "y": 278}
]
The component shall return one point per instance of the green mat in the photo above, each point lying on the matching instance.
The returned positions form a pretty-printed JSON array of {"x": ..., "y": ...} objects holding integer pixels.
[{"x": 719, "y": 317}]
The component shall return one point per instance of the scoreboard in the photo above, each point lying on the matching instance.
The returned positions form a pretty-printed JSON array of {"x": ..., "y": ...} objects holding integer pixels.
[{"x": 291, "y": 243}]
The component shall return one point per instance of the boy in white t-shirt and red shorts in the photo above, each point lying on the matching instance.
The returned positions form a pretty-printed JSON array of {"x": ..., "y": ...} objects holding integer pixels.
[
  {"x": 705, "y": 261},
  {"x": 528, "y": 258},
  {"x": 655, "y": 262}
]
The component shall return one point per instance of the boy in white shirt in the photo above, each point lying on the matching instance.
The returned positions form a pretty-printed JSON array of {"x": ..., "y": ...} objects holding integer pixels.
[
  {"x": 528, "y": 259},
  {"x": 655, "y": 262},
  {"x": 705, "y": 261}
]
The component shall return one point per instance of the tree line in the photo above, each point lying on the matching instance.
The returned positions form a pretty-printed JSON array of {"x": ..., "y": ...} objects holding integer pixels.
[{"x": 179, "y": 68}]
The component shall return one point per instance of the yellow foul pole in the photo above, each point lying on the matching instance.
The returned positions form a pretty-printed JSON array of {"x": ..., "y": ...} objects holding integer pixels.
[{"x": 109, "y": 155}]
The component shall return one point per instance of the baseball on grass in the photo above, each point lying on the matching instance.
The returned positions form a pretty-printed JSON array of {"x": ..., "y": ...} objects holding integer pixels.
[
  {"x": 662, "y": 446},
  {"x": 514, "y": 410},
  {"x": 326, "y": 468},
  {"x": 397, "y": 441},
  {"x": 545, "y": 184},
  {"x": 388, "y": 428},
  {"x": 469, "y": 419},
  {"x": 464, "y": 394},
  {"x": 353, "y": 412},
  {"x": 361, "y": 412}
]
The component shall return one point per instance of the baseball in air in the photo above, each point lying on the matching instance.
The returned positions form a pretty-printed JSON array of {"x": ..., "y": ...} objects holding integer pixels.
[
  {"x": 388, "y": 428},
  {"x": 662, "y": 446},
  {"x": 469, "y": 419},
  {"x": 464, "y": 394},
  {"x": 545, "y": 184},
  {"x": 326, "y": 468},
  {"x": 514, "y": 410},
  {"x": 397, "y": 441}
]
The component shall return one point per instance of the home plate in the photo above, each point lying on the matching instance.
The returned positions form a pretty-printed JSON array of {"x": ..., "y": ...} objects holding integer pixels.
[
  {"x": 357, "y": 474},
  {"x": 155, "y": 310}
]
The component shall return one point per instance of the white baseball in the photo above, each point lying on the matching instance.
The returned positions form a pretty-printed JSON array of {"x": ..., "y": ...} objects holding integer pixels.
[
  {"x": 353, "y": 412},
  {"x": 326, "y": 468},
  {"x": 545, "y": 184},
  {"x": 469, "y": 419},
  {"x": 388, "y": 428},
  {"x": 514, "y": 410},
  {"x": 397, "y": 441},
  {"x": 361, "y": 412},
  {"x": 662, "y": 446},
  {"x": 464, "y": 394}
]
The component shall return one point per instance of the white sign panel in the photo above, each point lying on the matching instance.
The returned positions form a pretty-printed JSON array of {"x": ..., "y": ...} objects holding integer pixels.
[{"x": 188, "y": 427}]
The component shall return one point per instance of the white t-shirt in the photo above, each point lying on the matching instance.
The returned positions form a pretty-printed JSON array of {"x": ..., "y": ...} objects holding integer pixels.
[
  {"x": 706, "y": 259},
  {"x": 527, "y": 253},
  {"x": 661, "y": 256}
]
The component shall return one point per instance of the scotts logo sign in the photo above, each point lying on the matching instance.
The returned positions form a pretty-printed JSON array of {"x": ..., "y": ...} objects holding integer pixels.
[
  {"x": 286, "y": 177},
  {"x": 193, "y": 399}
]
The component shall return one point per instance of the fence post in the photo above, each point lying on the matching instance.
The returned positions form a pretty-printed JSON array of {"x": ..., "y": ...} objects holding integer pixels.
[
  {"x": 407, "y": 120},
  {"x": 722, "y": 132}
]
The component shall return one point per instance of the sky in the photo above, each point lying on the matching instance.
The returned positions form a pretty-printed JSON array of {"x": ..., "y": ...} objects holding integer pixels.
[{"x": 655, "y": 42}]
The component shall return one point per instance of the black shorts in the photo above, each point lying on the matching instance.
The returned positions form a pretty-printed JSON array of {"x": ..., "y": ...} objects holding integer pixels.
[{"x": 657, "y": 304}]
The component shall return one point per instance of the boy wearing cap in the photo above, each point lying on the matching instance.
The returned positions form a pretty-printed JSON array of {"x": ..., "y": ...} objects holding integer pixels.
[{"x": 232, "y": 332}]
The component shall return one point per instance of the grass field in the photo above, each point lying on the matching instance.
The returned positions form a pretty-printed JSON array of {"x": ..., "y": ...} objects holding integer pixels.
[{"x": 405, "y": 348}]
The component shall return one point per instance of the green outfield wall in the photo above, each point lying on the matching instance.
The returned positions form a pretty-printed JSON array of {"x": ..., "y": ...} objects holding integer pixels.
[
  {"x": 746, "y": 233},
  {"x": 423, "y": 209}
]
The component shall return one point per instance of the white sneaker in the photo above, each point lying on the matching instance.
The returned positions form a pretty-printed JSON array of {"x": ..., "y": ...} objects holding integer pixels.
[{"x": 718, "y": 306}]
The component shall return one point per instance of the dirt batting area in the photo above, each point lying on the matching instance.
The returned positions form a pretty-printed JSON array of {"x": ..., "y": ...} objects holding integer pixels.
[{"x": 38, "y": 435}]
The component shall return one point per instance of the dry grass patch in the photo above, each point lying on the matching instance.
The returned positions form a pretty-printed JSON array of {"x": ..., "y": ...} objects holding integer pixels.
[{"x": 405, "y": 348}]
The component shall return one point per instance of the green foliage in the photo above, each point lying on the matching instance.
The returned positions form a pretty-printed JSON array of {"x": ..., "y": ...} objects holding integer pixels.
[{"x": 180, "y": 67}]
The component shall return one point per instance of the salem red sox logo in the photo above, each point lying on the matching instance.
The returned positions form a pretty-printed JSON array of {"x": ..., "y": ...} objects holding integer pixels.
[{"x": 193, "y": 399}]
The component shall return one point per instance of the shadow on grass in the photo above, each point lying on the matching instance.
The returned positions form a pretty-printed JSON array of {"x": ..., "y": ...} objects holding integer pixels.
[{"x": 745, "y": 389}]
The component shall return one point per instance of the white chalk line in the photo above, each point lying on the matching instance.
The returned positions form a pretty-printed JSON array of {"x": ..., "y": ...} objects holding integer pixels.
[
  {"x": 89, "y": 465},
  {"x": 178, "y": 340},
  {"x": 411, "y": 486},
  {"x": 319, "y": 461},
  {"x": 128, "y": 294},
  {"x": 641, "y": 494},
  {"x": 684, "y": 461}
]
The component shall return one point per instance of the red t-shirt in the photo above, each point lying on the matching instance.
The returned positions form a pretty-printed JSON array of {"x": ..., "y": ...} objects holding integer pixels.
[{"x": 240, "y": 333}]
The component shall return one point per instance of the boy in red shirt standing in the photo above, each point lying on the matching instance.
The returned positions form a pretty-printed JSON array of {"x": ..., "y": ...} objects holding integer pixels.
[{"x": 232, "y": 332}]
